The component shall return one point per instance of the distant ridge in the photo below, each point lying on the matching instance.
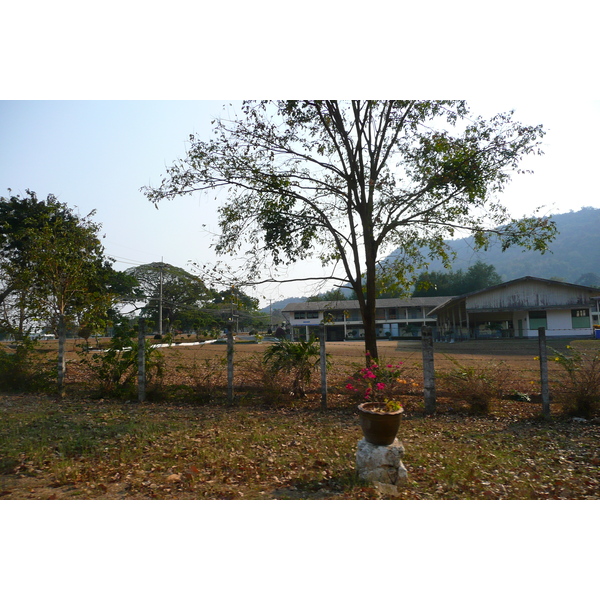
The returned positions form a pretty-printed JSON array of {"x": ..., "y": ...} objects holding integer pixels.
[
  {"x": 283, "y": 303},
  {"x": 575, "y": 252}
]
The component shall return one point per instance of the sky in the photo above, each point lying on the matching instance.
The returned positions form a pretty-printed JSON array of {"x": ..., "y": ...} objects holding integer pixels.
[{"x": 96, "y": 155}]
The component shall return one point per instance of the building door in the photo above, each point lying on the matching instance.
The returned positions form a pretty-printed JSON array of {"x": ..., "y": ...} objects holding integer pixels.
[{"x": 520, "y": 327}]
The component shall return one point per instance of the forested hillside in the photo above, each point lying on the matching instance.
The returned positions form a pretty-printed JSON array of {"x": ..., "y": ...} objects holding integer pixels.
[{"x": 574, "y": 253}]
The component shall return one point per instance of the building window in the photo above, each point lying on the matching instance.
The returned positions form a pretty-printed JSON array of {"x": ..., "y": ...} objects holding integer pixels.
[
  {"x": 299, "y": 315},
  {"x": 537, "y": 319},
  {"x": 312, "y": 314},
  {"x": 580, "y": 317}
]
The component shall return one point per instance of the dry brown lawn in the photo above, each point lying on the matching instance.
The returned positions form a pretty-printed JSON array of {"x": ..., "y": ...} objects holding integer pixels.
[{"x": 187, "y": 443}]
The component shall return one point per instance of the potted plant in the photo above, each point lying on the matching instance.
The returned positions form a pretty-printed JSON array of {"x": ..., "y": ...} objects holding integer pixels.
[{"x": 379, "y": 415}]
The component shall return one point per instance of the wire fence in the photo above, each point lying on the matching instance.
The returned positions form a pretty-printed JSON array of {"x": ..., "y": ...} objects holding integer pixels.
[{"x": 525, "y": 368}]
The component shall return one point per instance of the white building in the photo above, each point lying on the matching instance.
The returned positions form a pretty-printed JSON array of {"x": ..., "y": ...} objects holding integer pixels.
[
  {"x": 518, "y": 308},
  {"x": 395, "y": 317}
]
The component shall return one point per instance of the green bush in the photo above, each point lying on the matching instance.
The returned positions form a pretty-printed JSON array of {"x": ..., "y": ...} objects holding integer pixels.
[
  {"x": 22, "y": 371},
  {"x": 116, "y": 369},
  {"x": 298, "y": 359}
]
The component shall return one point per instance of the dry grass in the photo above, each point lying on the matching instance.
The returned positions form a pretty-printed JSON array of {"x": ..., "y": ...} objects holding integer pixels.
[{"x": 188, "y": 444}]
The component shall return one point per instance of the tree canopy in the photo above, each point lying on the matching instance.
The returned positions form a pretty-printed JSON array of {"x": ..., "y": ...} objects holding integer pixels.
[
  {"x": 455, "y": 283},
  {"x": 346, "y": 181},
  {"x": 182, "y": 294}
]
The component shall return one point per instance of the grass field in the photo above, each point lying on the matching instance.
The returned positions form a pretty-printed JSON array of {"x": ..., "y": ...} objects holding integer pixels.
[{"x": 187, "y": 443}]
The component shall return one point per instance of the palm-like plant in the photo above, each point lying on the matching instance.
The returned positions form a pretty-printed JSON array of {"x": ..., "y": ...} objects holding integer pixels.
[{"x": 299, "y": 359}]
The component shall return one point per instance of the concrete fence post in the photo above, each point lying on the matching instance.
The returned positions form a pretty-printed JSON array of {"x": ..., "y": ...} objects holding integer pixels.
[
  {"x": 428, "y": 370},
  {"x": 323, "y": 356},
  {"x": 230, "y": 352},
  {"x": 141, "y": 360},
  {"x": 544, "y": 372}
]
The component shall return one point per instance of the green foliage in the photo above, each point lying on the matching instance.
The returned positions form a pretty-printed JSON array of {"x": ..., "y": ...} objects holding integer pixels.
[
  {"x": 183, "y": 294},
  {"x": 115, "y": 369},
  {"x": 21, "y": 372},
  {"x": 335, "y": 294},
  {"x": 54, "y": 268},
  {"x": 455, "y": 283},
  {"x": 299, "y": 359},
  {"x": 579, "y": 382}
]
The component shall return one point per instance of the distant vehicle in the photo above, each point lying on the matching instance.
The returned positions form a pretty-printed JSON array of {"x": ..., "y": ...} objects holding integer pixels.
[{"x": 43, "y": 336}]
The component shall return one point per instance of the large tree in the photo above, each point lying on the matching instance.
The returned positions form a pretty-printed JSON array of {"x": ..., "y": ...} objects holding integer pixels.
[
  {"x": 178, "y": 293},
  {"x": 53, "y": 262},
  {"x": 346, "y": 181}
]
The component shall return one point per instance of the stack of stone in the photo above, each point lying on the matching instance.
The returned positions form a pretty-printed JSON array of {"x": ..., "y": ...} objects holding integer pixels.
[{"x": 381, "y": 465}]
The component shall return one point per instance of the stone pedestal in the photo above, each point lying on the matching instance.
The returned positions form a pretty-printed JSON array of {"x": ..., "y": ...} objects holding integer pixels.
[{"x": 381, "y": 465}]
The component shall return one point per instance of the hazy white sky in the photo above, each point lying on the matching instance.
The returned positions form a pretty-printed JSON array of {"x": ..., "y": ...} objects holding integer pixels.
[{"x": 96, "y": 155}]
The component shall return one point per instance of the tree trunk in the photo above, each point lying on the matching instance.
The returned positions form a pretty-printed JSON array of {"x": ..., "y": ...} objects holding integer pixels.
[
  {"x": 368, "y": 317},
  {"x": 370, "y": 299},
  {"x": 62, "y": 363}
]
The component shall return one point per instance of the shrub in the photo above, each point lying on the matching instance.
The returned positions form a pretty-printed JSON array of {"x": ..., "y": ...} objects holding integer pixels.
[
  {"x": 116, "y": 369},
  {"x": 477, "y": 385},
  {"x": 21, "y": 372},
  {"x": 207, "y": 377},
  {"x": 579, "y": 381},
  {"x": 299, "y": 359}
]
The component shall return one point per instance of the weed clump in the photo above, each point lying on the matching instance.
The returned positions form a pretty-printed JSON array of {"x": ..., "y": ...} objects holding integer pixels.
[
  {"x": 578, "y": 385},
  {"x": 477, "y": 385}
]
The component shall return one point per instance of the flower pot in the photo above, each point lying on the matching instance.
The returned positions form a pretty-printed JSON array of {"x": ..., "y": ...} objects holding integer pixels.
[{"x": 379, "y": 428}]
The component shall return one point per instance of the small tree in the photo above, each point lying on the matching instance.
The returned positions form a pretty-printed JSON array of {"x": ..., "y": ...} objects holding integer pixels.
[{"x": 55, "y": 262}]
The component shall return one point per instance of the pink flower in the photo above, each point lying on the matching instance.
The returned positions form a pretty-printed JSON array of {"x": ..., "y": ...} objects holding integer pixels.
[
  {"x": 380, "y": 386},
  {"x": 349, "y": 386}
]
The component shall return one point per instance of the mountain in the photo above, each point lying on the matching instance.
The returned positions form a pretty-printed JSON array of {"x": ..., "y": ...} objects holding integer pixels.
[
  {"x": 574, "y": 253},
  {"x": 282, "y": 304}
]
